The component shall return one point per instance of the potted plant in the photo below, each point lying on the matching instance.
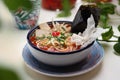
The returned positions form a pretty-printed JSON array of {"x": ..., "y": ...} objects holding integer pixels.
[
  {"x": 108, "y": 8},
  {"x": 25, "y": 12}
]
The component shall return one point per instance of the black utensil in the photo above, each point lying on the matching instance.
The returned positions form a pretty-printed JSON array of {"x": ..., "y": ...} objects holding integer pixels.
[{"x": 80, "y": 21}]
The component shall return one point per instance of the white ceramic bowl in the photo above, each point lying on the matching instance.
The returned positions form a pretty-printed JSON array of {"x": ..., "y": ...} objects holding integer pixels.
[{"x": 58, "y": 58}]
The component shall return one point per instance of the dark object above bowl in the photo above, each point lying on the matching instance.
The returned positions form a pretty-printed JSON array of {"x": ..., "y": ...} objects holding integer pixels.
[{"x": 84, "y": 12}]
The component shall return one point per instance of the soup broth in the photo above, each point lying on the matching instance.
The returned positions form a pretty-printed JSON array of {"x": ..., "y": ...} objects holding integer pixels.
[{"x": 55, "y": 37}]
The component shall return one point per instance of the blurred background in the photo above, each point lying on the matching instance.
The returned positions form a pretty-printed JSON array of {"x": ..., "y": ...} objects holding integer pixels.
[{"x": 17, "y": 17}]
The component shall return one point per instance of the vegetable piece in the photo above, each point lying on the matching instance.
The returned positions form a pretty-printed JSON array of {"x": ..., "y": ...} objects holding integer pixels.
[
  {"x": 40, "y": 33},
  {"x": 55, "y": 33},
  {"x": 44, "y": 26}
]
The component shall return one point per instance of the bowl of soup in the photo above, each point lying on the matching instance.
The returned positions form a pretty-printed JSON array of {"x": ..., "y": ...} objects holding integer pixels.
[{"x": 51, "y": 44}]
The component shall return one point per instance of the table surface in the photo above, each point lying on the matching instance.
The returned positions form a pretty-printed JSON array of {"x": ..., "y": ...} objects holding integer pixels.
[{"x": 13, "y": 40}]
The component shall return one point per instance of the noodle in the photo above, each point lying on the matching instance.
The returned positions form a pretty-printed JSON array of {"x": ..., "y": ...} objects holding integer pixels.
[{"x": 57, "y": 38}]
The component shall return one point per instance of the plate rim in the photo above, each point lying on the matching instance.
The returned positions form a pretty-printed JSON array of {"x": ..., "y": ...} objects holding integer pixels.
[{"x": 71, "y": 74}]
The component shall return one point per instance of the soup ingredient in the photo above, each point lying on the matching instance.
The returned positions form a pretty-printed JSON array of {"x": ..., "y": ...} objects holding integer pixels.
[
  {"x": 40, "y": 33},
  {"x": 59, "y": 38},
  {"x": 44, "y": 26},
  {"x": 55, "y": 33},
  {"x": 56, "y": 39}
]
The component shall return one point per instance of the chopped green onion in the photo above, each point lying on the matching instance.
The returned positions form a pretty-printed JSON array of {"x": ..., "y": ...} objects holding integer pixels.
[{"x": 49, "y": 37}]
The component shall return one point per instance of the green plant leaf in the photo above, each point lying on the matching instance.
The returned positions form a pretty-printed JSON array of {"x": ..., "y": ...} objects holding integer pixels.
[
  {"x": 63, "y": 14},
  {"x": 119, "y": 28},
  {"x": 0, "y": 24},
  {"x": 117, "y": 47},
  {"x": 119, "y": 2},
  {"x": 119, "y": 39},
  {"x": 7, "y": 74},
  {"x": 66, "y": 9},
  {"x": 107, "y": 8},
  {"x": 107, "y": 35},
  {"x": 104, "y": 21},
  {"x": 14, "y": 5}
]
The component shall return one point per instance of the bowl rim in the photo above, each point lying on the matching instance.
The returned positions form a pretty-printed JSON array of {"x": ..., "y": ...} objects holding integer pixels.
[{"x": 54, "y": 53}]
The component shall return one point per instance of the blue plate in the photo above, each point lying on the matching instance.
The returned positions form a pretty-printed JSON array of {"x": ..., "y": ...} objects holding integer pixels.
[{"x": 93, "y": 60}]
